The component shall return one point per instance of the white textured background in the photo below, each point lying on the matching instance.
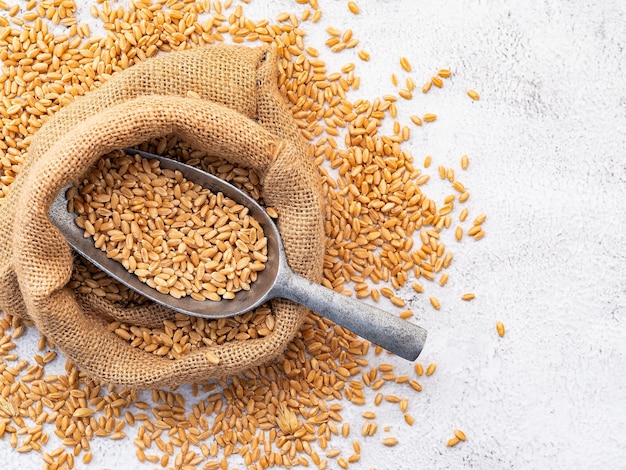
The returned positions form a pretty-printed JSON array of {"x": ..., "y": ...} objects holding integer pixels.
[{"x": 547, "y": 144}]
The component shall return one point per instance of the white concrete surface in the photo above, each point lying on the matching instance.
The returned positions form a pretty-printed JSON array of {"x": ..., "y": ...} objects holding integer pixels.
[{"x": 547, "y": 147}]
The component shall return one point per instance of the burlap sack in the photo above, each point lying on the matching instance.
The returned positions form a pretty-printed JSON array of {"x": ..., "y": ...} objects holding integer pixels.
[{"x": 242, "y": 118}]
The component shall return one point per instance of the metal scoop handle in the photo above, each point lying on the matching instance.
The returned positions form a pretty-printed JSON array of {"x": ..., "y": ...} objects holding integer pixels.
[{"x": 399, "y": 336}]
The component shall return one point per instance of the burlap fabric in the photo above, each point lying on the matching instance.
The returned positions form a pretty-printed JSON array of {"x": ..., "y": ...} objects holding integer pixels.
[{"x": 241, "y": 117}]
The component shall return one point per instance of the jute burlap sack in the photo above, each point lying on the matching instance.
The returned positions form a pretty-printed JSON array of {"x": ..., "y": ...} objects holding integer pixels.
[{"x": 242, "y": 118}]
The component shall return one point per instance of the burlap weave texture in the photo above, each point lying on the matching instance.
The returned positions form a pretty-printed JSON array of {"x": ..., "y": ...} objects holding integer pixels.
[{"x": 240, "y": 117}]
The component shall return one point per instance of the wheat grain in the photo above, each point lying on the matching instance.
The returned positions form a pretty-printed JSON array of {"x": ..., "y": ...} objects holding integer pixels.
[
  {"x": 473, "y": 94},
  {"x": 353, "y": 7}
]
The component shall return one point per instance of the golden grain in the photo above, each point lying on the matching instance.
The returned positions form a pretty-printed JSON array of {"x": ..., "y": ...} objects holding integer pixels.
[
  {"x": 442, "y": 171},
  {"x": 464, "y": 162},
  {"x": 390, "y": 441},
  {"x": 333, "y": 453},
  {"x": 500, "y": 328},
  {"x": 405, "y": 64},
  {"x": 379, "y": 396},
  {"x": 406, "y": 94},
  {"x": 83, "y": 412},
  {"x": 450, "y": 176},
  {"x": 363, "y": 55},
  {"x": 473, "y": 94},
  {"x": 404, "y": 404},
  {"x": 429, "y": 117},
  {"x": 480, "y": 219},
  {"x": 416, "y": 120},
  {"x": 463, "y": 214},
  {"x": 473, "y": 230},
  {"x": 468, "y": 296},
  {"x": 353, "y": 7},
  {"x": 430, "y": 370},
  {"x": 452, "y": 442},
  {"x": 406, "y": 314},
  {"x": 460, "y": 435},
  {"x": 415, "y": 385},
  {"x": 332, "y": 31},
  {"x": 410, "y": 84},
  {"x": 435, "y": 303}
]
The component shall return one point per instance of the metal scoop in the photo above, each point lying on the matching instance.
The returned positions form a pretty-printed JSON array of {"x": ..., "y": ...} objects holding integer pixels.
[{"x": 276, "y": 280}]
